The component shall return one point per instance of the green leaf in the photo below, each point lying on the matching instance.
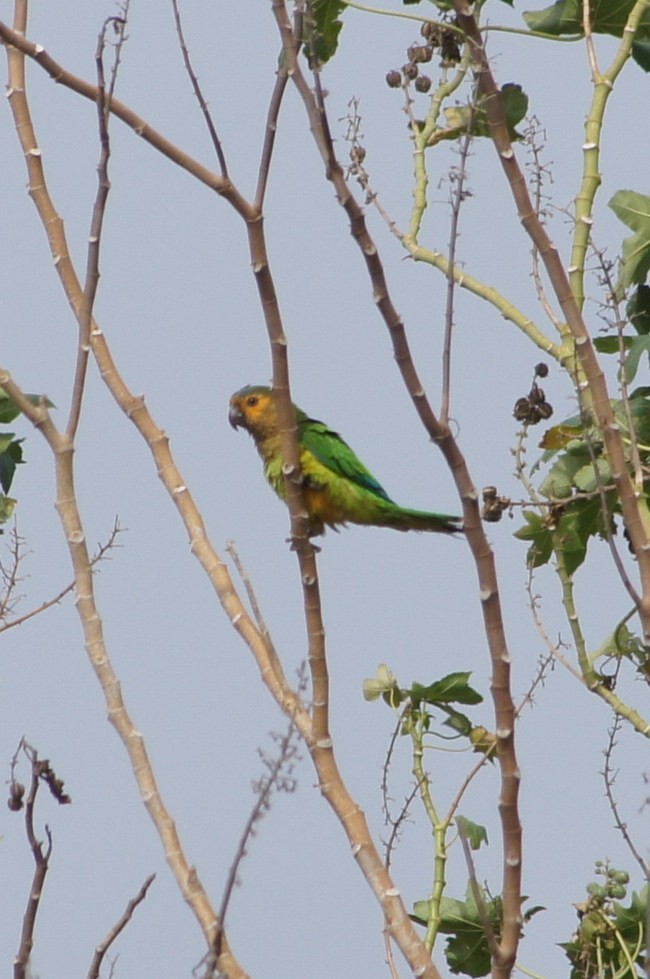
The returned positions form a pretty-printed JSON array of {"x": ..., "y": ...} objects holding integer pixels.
[
  {"x": 383, "y": 684},
  {"x": 467, "y": 951},
  {"x": 6, "y": 438},
  {"x": 458, "y": 722},
  {"x": 453, "y": 688},
  {"x": 588, "y": 478},
  {"x": 538, "y": 532},
  {"x": 631, "y": 921},
  {"x": 638, "y": 310},
  {"x": 10, "y": 457},
  {"x": 558, "y": 437},
  {"x": 560, "y": 481},
  {"x": 473, "y": 833},
  {"x": 641, "y": 52},
  {"x": 609, "y": 939},
  {"x": 635, "y": 347},
  {"x": 7, "y": 507},
  {"x": 462, "y": 119},
  {"x": 633, "y": 209},
  {"x": 611, "y": 345},
  {"x": 9, "y": 410},
  {"x": 640, "y": 345},
  {"x": 565, "y": 17},
  {"x": 321, "y": 34}
]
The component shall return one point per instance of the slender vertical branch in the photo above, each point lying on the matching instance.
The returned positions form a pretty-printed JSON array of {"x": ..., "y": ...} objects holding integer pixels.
[
  {"x": 205, "y": 109},
  {"x": 603, "y": 84},
  {"x": 97, "y": 223},
  {"x": 609, "y": 777},
  {"x": 269, "y": 135},
  {"x": 457, "y": 198},
  {"x": 41, "y": 855},
  {"x": 481, "y": 551}
]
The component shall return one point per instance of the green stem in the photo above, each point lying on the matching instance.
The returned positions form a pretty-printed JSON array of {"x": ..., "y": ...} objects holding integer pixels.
[
  {"x": 590, "y": 677},
  {"x": 421, "y": 142},
  {"x": 591, "y": 179},
  {"x": 439, "y": 828},
  {"x": 492, "y": 296}
]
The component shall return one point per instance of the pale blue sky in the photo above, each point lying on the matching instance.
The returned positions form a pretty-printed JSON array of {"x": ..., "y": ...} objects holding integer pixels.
[{"x": 179, "y": 307}]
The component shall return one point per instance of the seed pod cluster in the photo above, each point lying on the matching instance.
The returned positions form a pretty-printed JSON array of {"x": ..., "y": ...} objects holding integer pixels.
[
  {"x": 493, "y": 505},
  {"x": 534, "y": 407},
  {"x": 435, "y": 36},
  {"x": 16, "y": 793}
]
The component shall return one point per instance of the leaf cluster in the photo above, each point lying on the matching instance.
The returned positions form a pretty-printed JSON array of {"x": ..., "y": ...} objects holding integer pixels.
[
  {"x": 11, "y": 455},
  {"x": 610, "y": 939},
  {"x": 443, "y": 695},
  {"x": 605, "y": 17},
  {"x": 467, "y": 949},
  {"x": 579, "y": 485},
  {"x": 11, "y": 452}
]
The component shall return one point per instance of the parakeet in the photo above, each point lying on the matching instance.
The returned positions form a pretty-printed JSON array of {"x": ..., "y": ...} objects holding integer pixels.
[{"x": 337, "y": 488}]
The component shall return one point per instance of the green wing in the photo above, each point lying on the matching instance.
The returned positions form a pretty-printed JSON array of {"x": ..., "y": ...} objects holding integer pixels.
[{"x": 336, "y": 455}]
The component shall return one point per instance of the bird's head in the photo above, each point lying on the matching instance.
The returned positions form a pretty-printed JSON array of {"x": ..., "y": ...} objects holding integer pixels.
[{"x": 253, "y": 408}]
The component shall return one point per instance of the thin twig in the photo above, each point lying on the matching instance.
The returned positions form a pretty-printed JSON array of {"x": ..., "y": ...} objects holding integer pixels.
[
  {"x": 207, "y": 115},
  {"x": 477, "y": 892},
  {"x": 609, "y": 777},
  {"x": 273, "y": 659},
  {"x": 221, "y": 185},
  {"x": 279, "y": 778},
  {"x": 457, "y": 198},
  {"x": 248, "y": 585},
  {"x": 589, "y": 41},
  {"x": 91, "y": 283},
  {"x": 537, "y": 170},
  {"x": 269, "y": 135},
  {"x": 10, "y": 576},
  {"x": 65, "y": 591},
  {"x": 545, "y": 663},
  {"x": 118, "y": 927}
]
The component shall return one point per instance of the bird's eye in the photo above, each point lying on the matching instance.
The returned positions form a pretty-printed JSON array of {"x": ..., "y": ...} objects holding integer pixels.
[{"x": 252, "y": 401}]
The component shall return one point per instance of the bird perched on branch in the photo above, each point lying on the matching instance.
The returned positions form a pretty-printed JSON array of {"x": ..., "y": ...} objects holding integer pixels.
[{"x": 336, "y": 486}]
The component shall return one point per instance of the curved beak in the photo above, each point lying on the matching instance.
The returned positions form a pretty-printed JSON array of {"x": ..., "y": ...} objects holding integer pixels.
[{"x": 235, "y": 416}]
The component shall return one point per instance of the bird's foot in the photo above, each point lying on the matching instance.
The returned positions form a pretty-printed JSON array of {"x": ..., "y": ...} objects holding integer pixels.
[{"x": 295, "y": 544}]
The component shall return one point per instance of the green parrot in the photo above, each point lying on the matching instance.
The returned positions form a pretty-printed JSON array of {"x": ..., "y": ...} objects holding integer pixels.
[{"x": 337, "y": 488}]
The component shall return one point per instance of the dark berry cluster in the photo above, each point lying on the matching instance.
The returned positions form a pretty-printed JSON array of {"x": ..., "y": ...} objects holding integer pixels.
[
  {"x": 435, "y": 36},
  {"x": 534, "y": 407},
  {"x": 493, "y": 505}
]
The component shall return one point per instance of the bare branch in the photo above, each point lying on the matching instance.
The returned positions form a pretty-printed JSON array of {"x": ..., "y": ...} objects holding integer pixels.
[
  {"x": 10, "y": 577},
  {"x": 68, "y": 588},
  {"x": 118, "y": 928},
  {"x": 609, "y": 778},
  {"x": 459, "y": 194},
  {"x": 207, "y": 115},
  {"x": 40, "y": 771},
  {"x": 269, "y": 134},
  {"x": 222, "y": 185},
  {"x": 279, "y": 779},
  {"x": 99, "y": 209}
]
